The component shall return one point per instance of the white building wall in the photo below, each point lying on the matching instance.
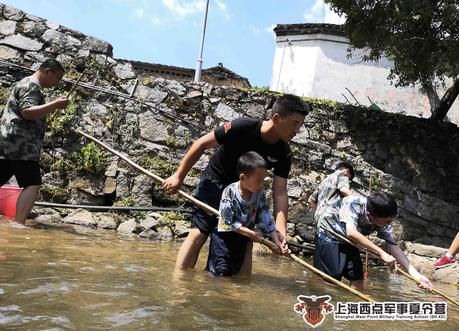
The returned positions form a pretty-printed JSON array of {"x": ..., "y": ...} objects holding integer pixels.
[
  {"x": 289, "y": 60},
  {"x": 317, "y": 66}
]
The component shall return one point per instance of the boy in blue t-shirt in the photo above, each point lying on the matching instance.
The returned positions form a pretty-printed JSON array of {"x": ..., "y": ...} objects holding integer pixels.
[{"x": 243, "y": 208}]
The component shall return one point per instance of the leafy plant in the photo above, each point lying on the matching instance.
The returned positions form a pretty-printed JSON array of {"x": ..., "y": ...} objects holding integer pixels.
[
  {"x": 61, "y": 121},
  {"x": 91, "y": 160},
  {"x": 126, "y": 201}
]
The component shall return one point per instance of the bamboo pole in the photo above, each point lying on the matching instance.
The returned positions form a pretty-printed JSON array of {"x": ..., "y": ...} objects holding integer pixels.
[
  {"x": 320, "y": 273},
  {"x": 404, "y": 273},
  {"x": 264, "y": 241},
  {"x": 149, "y": 173},
  {"x": 76, "y": 84},
  {"x": 365, "y": 275}
]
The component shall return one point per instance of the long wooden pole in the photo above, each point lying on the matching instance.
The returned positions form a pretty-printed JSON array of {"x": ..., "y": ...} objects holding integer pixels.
[
  {"x": 322, "y": 274},
  {"x": 365, "y": 275},
  {"x": 264, "y": 241},
  {"x": 404, "y": 273},
  {"x": 76, "y": 84},
  {"x": 149, "y": 173}
]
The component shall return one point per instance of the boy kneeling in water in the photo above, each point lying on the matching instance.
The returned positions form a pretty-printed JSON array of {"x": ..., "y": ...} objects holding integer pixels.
[{"x": 242, "y": 208}]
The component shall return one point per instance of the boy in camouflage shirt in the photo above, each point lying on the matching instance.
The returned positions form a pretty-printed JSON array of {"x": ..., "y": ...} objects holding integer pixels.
[
  {"x": 332, "y": 189},
  {"x": 22, "y": 131},
  {"x": 243, "y": 209},
  {"x": 356, "y": 217}
]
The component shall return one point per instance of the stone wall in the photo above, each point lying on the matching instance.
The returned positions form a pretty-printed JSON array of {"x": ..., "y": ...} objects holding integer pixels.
[
  {"x": 30, "y": 40},
  {"x": 415, "y": 159}
]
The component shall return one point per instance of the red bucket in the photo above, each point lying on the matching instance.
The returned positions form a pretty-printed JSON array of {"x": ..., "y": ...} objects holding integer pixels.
[{"x": 8, "y": 198}]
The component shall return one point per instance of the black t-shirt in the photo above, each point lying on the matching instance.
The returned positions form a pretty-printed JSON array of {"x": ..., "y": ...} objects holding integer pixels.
[{"x": 238, "y": 137}]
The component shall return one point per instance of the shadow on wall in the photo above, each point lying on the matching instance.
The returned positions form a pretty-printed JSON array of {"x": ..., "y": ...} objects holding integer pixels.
[
  {"x": 419, "y": 151},
  {"x": 337, "y": 52}
]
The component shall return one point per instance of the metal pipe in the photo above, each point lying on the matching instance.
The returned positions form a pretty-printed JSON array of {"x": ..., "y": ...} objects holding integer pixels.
[
  {"x": 197, "y": 75},
  {"x": 103, "y": 208}
]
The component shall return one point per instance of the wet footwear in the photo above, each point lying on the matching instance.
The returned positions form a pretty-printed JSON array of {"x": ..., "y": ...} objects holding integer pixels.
[{"x": 444, "y": 261}]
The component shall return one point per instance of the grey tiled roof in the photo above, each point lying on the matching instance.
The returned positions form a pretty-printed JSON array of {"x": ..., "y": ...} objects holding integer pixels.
[{"x": 308, "y": 28}]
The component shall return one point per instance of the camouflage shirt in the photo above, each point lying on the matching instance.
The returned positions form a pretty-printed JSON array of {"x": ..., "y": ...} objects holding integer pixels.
[
  {"x": 22, "y": 139},
  {"x": 351, "y": 210},
  {"x": 328, "y": 193},
  {"x": 236, "y": 212}
]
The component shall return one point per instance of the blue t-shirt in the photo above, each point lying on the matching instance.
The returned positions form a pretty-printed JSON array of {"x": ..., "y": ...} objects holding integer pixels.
[{"x": 236, "y": 212}]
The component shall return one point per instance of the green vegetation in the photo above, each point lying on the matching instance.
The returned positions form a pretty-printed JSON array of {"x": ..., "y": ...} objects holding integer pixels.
[
  {"x": 4, "y": 95},
  {"x": 54, "y": 193},
  {"x": 174, "y": 216},
  {"x": 315, "y": 102},
  {"x": 95, "y": 72},
  {"x": 89, "y": 160},
  {"x": 169, "y": 218},
  {"x": 92, "y": 159},
  {"x": 375, "y": 183},
  {"x": 171, "y": 141},
  {"x": 149, "y": 82},
  {"x": 158, "y": 165},
  {"x": 264, "y": 90},
  {"x": 261, "y": 88},
  {"x": 126, "y": 201},
  {"x": 62, "y": 121},
  {"x": 63, "y": 165},
  {"x": 114, "y": 118}
]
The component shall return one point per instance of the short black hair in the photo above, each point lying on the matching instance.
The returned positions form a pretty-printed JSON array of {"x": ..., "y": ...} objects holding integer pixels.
[
  {"x": 289, "y": 104},
  {"x": 52, "y": 64},
  {"x": 248, "y": 162},
  {"x": 348, "y": 166},
  {"x": 381, "y": 204}
]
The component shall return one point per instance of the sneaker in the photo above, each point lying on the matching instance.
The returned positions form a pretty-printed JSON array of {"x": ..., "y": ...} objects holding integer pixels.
[{"x": 444, "y": 261}]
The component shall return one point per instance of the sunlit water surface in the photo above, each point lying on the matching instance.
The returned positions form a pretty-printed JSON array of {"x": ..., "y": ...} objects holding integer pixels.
[{"x": 62, "y": 278}]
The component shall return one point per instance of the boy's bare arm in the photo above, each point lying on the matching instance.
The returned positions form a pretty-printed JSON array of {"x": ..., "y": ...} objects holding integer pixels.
[
  {"x": 173, "y": 183},
  {"x": 401, "y": 258},
  {"x": 280, "y": 199},
  {"x": 361, "y": 240},
  {"x": 312, "y": 199},
  {"x": 253, "y": 235},
  {"x": 312, "y": 203},
  {"x": 37, "y": 112},
  {"x": 345, "y": 191}
]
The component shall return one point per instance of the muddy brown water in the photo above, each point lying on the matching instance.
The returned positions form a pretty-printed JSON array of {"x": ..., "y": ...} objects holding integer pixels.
[{"x": 66, "y": 278}]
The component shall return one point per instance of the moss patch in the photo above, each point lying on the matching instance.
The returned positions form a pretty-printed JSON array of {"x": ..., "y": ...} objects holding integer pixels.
[
  {"x": 160, "y": 166},
  {"x": 54, "y": 193},
  {"x": 4, "y": 95}
]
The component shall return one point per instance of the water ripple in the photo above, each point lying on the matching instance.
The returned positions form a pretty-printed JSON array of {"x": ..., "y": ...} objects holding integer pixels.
[
  {"x": 10, "y": 308},
  {"x": 110, "y": 294},
  {"x": 123, "y": 319},
  {"x": 133, "y": 268},
  {"x": 65, "y": 287}
]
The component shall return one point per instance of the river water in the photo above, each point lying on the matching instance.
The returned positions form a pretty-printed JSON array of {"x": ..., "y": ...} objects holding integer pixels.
[{"x": 66, "y": 278}]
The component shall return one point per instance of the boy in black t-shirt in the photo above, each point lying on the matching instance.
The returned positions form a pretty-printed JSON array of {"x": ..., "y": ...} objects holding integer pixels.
[{"x": 269, "y": 139}]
